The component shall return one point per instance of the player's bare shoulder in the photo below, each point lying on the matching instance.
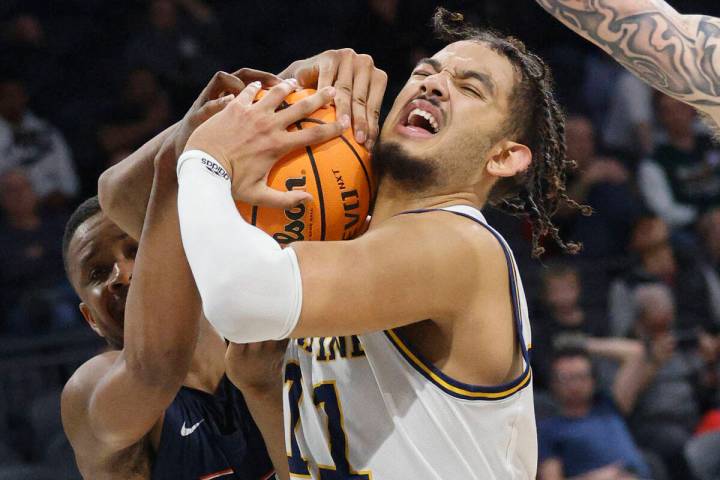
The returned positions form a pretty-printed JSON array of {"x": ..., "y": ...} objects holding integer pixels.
[
  {"x": 94, "y": 458},
  {"x": 462, "y": 247},
  {"x": 78, "y": 391}
]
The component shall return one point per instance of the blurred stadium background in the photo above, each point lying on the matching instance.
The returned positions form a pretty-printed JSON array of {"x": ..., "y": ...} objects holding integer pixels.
[{"x": 85, "y": 82}]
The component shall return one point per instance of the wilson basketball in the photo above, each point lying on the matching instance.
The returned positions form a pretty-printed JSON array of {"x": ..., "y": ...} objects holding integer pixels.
[{"x": 336, "y": 173}]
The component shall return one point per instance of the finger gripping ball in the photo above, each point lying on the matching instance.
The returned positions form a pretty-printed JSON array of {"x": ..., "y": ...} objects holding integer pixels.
[{"x": 336, "y": 173}]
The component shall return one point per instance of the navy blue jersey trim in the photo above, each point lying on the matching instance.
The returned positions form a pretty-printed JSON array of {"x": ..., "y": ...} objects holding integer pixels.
[{"x": 448, "y": 384}]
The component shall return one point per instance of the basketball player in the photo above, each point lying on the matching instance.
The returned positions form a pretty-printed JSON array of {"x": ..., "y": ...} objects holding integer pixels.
[
  {"x": 157, "y": 404},
  {"x": 409, "y": 356},
  {"x": 674, "y": 53}
]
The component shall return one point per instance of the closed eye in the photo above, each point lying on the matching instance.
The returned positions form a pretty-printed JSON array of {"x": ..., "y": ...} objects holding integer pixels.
[
  {"x": 421, "y": 73},
  {"x": 472, "y": 91}
]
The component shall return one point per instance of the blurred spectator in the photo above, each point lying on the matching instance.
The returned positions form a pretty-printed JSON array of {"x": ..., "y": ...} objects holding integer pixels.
[
  {"x": 30, "y": 143},
  {"x": 178, "y": 39},
  {"x": 142, "y": 110},
  {"x": 656, "y": 260},
  {"x": 26, "y": 48},
  {"x": 628, "y": 126},
  {"x": 34, "y": 294},
  {"x": 589, "y": 438},
  {"x": 603, "y": 183},
  {"x": 560, "y": 314},
  {"x": 709, "y": 233},
  {"x": 683, "y": 176},
  {"x": 667, "y": 412}
]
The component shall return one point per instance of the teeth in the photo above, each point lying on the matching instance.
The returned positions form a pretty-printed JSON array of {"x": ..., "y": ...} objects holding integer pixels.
[{"x": 427, "y": 116}]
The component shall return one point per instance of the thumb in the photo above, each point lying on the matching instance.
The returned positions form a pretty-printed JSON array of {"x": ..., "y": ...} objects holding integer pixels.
[
  {"x": 212, "y": 107},
  {"x": 308, "y": 76},
  {"x": 269, "y": 197}
]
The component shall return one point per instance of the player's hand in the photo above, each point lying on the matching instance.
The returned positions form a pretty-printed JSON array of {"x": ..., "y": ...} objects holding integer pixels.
[
  {"x": 360, "y": 87},
  {"x": 216, "y": 95},
  {"x": 256, "y": 367},
  {"x": 248, "y": 138}
]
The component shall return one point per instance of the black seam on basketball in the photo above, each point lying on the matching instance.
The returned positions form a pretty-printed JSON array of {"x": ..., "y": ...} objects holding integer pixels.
[
  {"x": 321, "y": 200},
  {"x": 253, "y": 218},
  {"x": 362, "y": 164},
  {"x": 352, "y": 149}
]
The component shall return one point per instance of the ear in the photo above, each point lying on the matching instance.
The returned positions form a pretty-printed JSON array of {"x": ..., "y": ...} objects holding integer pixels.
[
  {"x": 508, "y": 159},
  {"x": 88, "y": 316}
]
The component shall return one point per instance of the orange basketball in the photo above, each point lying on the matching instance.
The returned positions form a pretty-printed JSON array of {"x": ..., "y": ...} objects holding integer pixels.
[{"x": 336, "y": 173}]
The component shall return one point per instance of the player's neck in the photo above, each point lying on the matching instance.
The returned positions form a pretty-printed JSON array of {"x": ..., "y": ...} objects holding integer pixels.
[
  {"x": 392, "y": 200},
  {"x": 208, "y": 363}
]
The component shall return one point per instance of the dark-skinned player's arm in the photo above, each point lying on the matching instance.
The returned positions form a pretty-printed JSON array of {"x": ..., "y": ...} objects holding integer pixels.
[
  {"x": 674, "y": 53},
  {"x": 124, "y": 189},
  {"x": 252, "y": 290},
  {"x": 256, "y": 369},
  {"x": 360, "y": 87},
  {"x": 119, "y": 407}
]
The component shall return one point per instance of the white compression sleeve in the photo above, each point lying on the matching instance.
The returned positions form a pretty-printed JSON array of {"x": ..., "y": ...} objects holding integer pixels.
[{"x": 250, "y": 288}]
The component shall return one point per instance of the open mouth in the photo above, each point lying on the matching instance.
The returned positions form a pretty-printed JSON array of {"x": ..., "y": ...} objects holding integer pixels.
[
  {"x": 423, "y": 119},
  {"x": 420, "y": 119}
]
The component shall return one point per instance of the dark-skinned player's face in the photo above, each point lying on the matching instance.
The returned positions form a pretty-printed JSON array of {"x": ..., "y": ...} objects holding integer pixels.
[
  {"x": 453, "y": 107},
  {"x": 100, "y": 260}
]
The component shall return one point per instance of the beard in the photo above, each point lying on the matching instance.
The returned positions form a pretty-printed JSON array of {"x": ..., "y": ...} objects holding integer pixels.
[{"x": 391, "y": 161}]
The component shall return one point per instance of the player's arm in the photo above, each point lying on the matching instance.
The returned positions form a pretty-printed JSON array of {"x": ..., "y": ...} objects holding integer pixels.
[
  {"x": 256, "y": 369},
  {"x": 253, "y": 290},
  {"x": 124, "y": 189},
  {"x": 674, "y": 53},
  {"x": 160, "y": 332},
  {"x": 551, "y": 469}
]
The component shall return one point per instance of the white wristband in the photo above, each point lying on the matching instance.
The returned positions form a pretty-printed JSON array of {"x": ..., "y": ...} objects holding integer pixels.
[{"x": 250, "y": 288}]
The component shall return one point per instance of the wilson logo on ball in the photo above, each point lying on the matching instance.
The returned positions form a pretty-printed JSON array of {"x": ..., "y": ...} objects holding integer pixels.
[{"x": 295, "y": 226}]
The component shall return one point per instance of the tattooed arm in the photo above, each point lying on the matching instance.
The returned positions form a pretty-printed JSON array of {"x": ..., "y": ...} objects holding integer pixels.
[{"x": 677, "y": 54}]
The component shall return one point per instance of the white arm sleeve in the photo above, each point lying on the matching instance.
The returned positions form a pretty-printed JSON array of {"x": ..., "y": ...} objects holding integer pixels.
[{"x": 250, "y": 288}]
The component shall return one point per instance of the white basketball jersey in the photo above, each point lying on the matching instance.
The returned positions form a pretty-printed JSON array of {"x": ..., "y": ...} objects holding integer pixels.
[{"x": 371, "y": 407}]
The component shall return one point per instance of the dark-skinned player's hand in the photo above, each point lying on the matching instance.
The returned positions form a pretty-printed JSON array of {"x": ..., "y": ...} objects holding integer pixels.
[
  {"x": 256, "y": 367},
  {"x": 216, "y": 95},
  {"x": 360, "y": 87}
]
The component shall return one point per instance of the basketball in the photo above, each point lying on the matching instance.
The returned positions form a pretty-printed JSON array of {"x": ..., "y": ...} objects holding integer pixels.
[{"x": 336, "y": 173}]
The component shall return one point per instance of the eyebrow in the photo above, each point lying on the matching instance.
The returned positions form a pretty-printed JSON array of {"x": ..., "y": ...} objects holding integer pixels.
[
  {"x": 93, "y": 250},
  {"x": 483, "y": 78},
  {"x": 437, "y": 66}
]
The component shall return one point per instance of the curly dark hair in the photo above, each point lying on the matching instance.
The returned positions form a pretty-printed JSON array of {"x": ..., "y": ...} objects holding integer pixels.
[{"x": 536, "y": 120}]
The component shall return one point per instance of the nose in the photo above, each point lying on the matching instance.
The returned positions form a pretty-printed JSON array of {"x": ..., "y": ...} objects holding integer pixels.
[
  {"x": 121, "y": 275},
  {"x": 435, "y": 85}
]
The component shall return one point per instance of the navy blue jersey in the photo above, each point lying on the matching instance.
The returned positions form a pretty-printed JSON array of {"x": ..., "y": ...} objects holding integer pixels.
[{"x": 208, "y": 437}]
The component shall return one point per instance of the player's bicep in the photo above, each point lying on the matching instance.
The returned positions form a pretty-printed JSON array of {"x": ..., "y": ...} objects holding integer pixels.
[
  {"x": 382, "y": 280},
  {"x": 120, "y": 410}
]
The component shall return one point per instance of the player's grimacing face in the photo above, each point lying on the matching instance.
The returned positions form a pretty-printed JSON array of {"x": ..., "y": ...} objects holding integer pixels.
[
  {"x": 101, "y": 259},
  {"x": 454, "y": 103}
]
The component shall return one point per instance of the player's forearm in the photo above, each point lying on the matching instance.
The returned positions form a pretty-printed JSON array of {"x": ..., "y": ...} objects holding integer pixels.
[
  {"x": 673, "y": 53},
  {"x": 250, "y": 287},
  {"x": 160, "y": 331},
  {"x": 124, "y": 188},
  {"x": 266, "y": 408},
  {"x": 163, "y": 305}
]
